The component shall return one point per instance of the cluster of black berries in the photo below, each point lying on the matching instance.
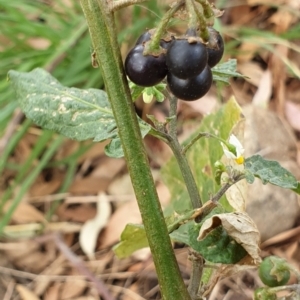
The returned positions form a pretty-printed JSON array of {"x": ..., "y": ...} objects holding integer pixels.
[{"x": 187, "y": 64}]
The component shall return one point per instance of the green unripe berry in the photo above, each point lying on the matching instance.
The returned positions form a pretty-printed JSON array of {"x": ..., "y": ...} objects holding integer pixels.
[{"x": 274, "y": 271}]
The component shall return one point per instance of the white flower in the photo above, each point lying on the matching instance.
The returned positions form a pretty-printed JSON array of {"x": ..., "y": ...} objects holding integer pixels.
[{"x": 234, "y": 149}]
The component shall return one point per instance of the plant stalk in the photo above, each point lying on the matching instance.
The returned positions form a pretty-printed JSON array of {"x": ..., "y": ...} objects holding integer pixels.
[
  {"x": 181, "y": 159},
  {"x": 103, "y": 34}
]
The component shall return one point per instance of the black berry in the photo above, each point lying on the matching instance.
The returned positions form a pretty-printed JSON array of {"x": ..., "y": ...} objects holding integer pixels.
[
  {"x": 185, "y": 60},
  {"x": 192, "y": 88},
  {"x": 145, "y": 37},
  {"x": 215, "y": 48},
  {"x": 145, "y": 70}
]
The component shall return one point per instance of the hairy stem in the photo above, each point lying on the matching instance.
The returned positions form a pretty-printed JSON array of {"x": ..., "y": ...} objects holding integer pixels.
[
  {"x": 153, "y": 45},
  {"x": 103, "y": 34},
  {"x": 116, "y": 5}
]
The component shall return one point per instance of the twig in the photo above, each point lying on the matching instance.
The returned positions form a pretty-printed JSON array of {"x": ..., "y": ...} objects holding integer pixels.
[
  {"x": 11, "y": 128},
  {"x": 78, "y": 263},
  {"x": 197, "y": 269},
  {"x": 44, "y": 277},
  {"x": 225, "y": 187}
]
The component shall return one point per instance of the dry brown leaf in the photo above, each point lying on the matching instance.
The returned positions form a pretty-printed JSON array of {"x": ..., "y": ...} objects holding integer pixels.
[
  {"x": 72, "y": 288},
  {"x": 282, "y": 20},
  {"x": 247, "y": 51},
  {"x": 240, "y": 227},
  {"x": 263, "y": 94},
  {"x": 126, "y": 213},
  {"x": 25, "y": 213},
  {"x": 292, "y": 112},
  {"x": 43, "y": 187},
  {"x": 76, "y": 213},
  {"x": 52, "y": 292},
  {"x": 32, "y": 229},
  {"x": 57, "y": 267},
  {"x": 204, "y": 105},
  {"x": 25, "y": 293},
  {"x": 90, "y": 230},
  {"x": 107, "y": 163},
  {"x": 121, "y": 186},
  {"x": 253, "y": 71},
  {"x": 89, "y": 185},
  {"x": 237, "y": 195},
  {"x": 39, "y": 43}
]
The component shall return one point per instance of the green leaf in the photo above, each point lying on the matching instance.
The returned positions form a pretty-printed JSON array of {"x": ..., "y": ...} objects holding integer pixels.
[
  {"x": 77, "y": 114},
  {"x": 270, "y": 172},
  {"x": 132, "y": 238},
  {"x": 217, "y": 246},
  {"x": 202, "y": 157},
  {"x": 297, "y": 189},
  {"x": 223, "y": 72}
]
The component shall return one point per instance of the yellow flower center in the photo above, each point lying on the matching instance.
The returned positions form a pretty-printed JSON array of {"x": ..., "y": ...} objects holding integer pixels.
[{"x": 240, "y": 160}]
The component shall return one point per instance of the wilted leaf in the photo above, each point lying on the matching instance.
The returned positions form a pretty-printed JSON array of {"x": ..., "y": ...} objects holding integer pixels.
[
  {"x": 133, "y": 238},
  {"x": 270, "y": 172},
  {"x": 90, "y": 230},
  {"x": 77, "y": 114},
  {"x": 240, "y": 227},
  {"x": 237, "y": 195}
]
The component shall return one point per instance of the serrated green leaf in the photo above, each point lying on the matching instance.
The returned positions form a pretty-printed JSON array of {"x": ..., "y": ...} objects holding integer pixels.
[
  {"x": 132, "y": 238},
  {"x": 77, "y": 114},
  {"x": 202, "y": 157},
  {"x": 270, "y": 172},
  {"x": 223, "y": 72}
]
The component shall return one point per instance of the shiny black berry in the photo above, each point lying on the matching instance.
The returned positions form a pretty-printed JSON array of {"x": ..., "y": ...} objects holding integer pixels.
[
  {"x": 185, "y": 60},
  {"x": 145, "y": 37},
  {"x": 192, "y": 88},
  {"x": 215, "y": 47},
  {"x": 145, "y": 70}
]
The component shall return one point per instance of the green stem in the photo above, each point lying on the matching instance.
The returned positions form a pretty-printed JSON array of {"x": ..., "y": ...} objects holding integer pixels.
[
  {"x": 192, "y": 15},
  {"x": 153, "y": 46},
  {"x": 119, "y": 4},
  {"x": 186, "y": 173},
  {"x": 103, "y": 34},
  {"x": 197, "y": 270},
  {"x": 202, "y": 24},
  {"x": 180, "y": 157},
  {"x": 207, "y": 10}
]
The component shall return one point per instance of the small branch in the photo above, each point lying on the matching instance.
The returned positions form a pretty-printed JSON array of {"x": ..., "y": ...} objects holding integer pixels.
[
  {"x": 198, "y": 213},
  {"x": 79, "y": 265},
  {"x": 173, "y": 116},
  {"x": 197, "y": 270},
  {"x": 207, "y": 10},
  {"x": 195, "y": 139},
  {"x": 225, "y": 187},
  {"x": 117, "y": 5},
  {"x": 186, "y": 172},
  {"x": 190, "y": 7},
  {"x": 292, "y": 287},
  {"x": 202, "y": 24},
  {"x": 153, "y": 45}
]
